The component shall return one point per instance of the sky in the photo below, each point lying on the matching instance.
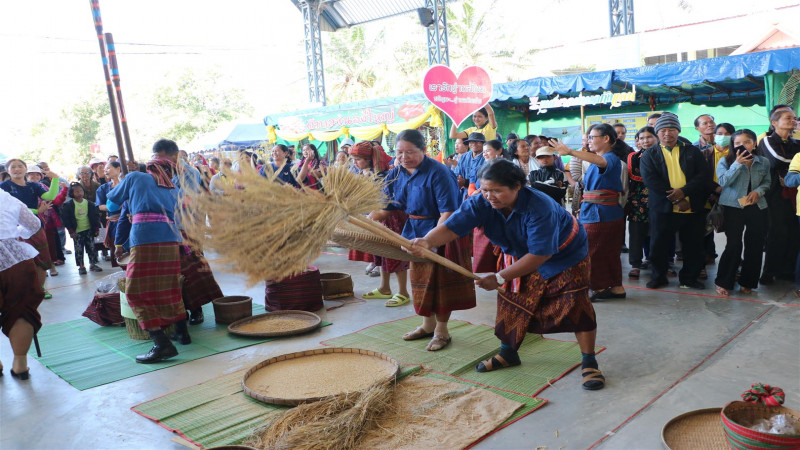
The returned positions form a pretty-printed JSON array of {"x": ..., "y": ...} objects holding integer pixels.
[{"x": 51, "y": 54}]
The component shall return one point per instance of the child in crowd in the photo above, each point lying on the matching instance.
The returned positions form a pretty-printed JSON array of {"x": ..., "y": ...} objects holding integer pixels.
[
  {"x": 82, "y": 219},
  {"x": 547, "y": 178}
]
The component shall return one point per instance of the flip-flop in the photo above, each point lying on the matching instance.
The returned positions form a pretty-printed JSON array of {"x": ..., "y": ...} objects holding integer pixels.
[
  {"x": 376, "y": 294},
  {"x": 439, "y": 343},
  {"x": 418, "y": 333},
  {"x": 593, "y": 379},
  {"x": 496, "y": 362},
  {"x": 397, "y": 300}
]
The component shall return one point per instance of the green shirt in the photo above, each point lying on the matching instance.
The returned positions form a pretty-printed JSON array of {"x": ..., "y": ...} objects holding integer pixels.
[{"x": 82, "y": 215}]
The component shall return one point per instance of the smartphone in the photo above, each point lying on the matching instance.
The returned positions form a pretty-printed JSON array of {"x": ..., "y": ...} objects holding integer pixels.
[{"x": 746, "y": 153}]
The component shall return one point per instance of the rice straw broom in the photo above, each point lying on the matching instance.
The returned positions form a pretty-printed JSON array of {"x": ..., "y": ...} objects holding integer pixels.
[
  {"x": 335, "y": 422},
  {"x": 270, "y": 230}
]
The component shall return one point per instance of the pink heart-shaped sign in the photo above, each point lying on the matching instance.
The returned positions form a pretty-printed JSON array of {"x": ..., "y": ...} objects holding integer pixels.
[{"x": 457, "y": 97}]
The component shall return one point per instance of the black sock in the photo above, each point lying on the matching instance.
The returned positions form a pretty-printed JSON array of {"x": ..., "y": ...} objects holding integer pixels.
[
  {"x": 588, "y": 361},
  {"x": 508, "y": 353}
]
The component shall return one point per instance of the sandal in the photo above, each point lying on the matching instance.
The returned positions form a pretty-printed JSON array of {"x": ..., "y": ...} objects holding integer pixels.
[
  {"x": 496, "y": 362},
  {"x": 397, "y": 300},
  {"x": 593, "y": 379},
  {"x": 745, "y": 290},
  {"x": 438, "y": 343},
  {"x": 722, "y": 291},
  {"x": 634, "y": 274},
  {"x": 703, "y": 275},
  {"x": 418, "y": 333},
  {"x": 376, "y": 272},
  {"x": 376, "y": 294}
]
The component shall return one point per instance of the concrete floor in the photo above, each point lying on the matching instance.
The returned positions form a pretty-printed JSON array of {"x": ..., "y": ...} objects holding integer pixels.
[{"x": 669, "y": 351}]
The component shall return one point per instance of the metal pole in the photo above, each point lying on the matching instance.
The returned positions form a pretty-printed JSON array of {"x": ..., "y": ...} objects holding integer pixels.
[
  {"x": 112, "y": 56},
  {"x": 98, "y": 26}
]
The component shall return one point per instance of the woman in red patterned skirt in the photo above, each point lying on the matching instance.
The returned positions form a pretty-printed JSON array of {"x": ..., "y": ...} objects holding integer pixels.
[
  {"x": 544, "y": 269},
  {"x": 371, "y": 160}
]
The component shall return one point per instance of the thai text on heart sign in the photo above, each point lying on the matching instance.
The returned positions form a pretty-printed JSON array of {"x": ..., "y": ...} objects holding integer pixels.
[{"x": 458, "y": 97}]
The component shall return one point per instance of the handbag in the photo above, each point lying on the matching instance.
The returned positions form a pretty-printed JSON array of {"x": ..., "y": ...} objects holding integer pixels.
[{"x": 715, "y": 220}]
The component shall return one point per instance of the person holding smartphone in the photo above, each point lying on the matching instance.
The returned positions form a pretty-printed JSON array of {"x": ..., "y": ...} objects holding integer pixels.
[{"x": 744, "y": 176}]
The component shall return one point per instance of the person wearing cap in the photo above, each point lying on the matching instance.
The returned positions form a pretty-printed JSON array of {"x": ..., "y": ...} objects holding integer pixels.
[
  {"x": 547, "y": 178},
  {"x": 485, "y": 124},
  {"x": 601, "y": 213},
  {"x": 346, "y": 145},
  {"x": 48, "y": 212},
  {"x": 470, "y": 163},
  {"x": 98, "y": 167},
  {"x": 676, "y": 175}
]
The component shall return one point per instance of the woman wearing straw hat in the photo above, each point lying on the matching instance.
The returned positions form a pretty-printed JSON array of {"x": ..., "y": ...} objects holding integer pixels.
[
  {"x": 427, "y": 191},
  {"x": 19, "y": 298},
  {"x": 544, "y": 265},
  {"x": 371, "y": 160}
]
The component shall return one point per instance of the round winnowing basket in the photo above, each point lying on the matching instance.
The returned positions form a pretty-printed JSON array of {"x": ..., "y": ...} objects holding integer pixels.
[
  {"x": 735, "y": 415},
  {"x": 325, "y": 374},
  {"x": 310, "y": 321},
  {"x": 232, "y": 308},
  {"x": 336, "y": 285},
  {"x": 351, "y": 236},
  {"x": 693, "y": 430}
]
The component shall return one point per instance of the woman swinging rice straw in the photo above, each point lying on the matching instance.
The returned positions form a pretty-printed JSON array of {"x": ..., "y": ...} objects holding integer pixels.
[
  {"x": 428, "y": 192},
  {"x": 544, "y": 265},
  {"x": 372, "y": 160}
]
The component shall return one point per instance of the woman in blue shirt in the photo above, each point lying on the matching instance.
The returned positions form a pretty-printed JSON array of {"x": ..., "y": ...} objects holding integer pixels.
[
  {"x": 153, "y": 288},
  {"x": 281, "y": 166},
  {"x": 545, "y": 265},
  {"x": 745, "y": 177},
  {"x": 428, "y": 192},
  {"x": 601, "y": 213}
]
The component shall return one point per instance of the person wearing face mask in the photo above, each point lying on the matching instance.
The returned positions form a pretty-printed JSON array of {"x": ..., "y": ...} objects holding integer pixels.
[
  {"x": 744, "y": 176},
  {"x": 716, "y": 150}
]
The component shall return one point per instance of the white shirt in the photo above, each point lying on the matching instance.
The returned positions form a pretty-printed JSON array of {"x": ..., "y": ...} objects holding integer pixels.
[{"x": 16, "y": 221}]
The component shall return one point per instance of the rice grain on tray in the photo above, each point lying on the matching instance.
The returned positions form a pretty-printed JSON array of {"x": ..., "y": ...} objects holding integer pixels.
[{"x": 273, "y": 325}]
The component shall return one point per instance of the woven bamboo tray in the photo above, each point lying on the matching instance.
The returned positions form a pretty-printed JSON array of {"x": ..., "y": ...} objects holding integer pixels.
[
  {"x": 124, "y": 260},
  {"x": 350, "y": 236},
  {"x": 313, "y": 322},
  {"x": 701, "y": 428},
  {"x": 390, "y": 376}
]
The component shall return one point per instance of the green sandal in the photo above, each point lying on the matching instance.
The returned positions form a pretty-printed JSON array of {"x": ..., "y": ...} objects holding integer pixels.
[
  {"x": 376, "y": 294},
  {"x": 397, "y": 300}
]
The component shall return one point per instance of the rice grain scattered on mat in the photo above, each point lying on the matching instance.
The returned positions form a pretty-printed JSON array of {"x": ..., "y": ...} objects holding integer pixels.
[
  {"x": 334, "y": 423},
  {"x": 266, "y": 229}
]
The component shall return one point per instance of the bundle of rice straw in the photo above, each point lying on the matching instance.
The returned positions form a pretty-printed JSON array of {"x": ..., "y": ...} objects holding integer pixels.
[
  {"x": 269, "y": 230},
  {"x": 335, "y": 423}
]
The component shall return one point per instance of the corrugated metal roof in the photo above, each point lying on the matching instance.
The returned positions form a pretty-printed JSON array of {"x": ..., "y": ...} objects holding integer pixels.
[{"x": 335, "y": 14}]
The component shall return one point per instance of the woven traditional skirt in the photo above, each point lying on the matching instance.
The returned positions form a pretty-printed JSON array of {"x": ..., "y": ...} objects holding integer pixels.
[
  {"x": 20, "y": 296},
  {"x": 395, "y": 222},
  {"x": 302, "y": 291},
  {"x": 605, "y": 247},
  {"x": 153, "y": 287},
  {"x": 199, "y": 286},
  {"x": 560, "y": 304},
  {"x": 39, "y": 242},
  {"x": 104, "y": 310},
  {"x": 484, "y": 259},
  {"x": 436, "y": 289}
]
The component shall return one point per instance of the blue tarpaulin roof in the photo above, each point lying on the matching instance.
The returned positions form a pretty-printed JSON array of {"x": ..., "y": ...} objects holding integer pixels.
[
  {"x": 721, "y": 78},
  {"x": 245, "y": 134}
]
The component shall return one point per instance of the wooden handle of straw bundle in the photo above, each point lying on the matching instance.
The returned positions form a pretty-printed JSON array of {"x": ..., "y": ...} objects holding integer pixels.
[{"x": 380, "y": 230}]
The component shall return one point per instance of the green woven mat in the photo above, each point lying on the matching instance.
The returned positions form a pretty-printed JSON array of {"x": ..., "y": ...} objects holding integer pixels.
[
  {"x": 87, "y": 355},
  {"x": 218, "y": 412},
  {"x": 543, "y": 360}
]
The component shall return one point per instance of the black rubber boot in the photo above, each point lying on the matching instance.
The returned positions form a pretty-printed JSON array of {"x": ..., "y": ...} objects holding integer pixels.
[
  {"x": 181, "y": 333},
  {"x": 162, "y": 349},
  {"x": 197, "y": 317}
]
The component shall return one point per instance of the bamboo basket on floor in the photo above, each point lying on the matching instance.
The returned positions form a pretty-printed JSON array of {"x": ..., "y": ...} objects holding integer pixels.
[
  {"x": 336, "y": 285},
  {"x": 232, "y": 308},
  {"x": 736, "y": 416},
  {"x": 694, "y": 430}
]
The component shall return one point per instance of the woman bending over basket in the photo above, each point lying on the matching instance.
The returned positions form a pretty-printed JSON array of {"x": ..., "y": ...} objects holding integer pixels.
[
  {"x": 427, "y": 191},
  {"x": 544, "y": 265},
  {"x": 371, "y": 159}
]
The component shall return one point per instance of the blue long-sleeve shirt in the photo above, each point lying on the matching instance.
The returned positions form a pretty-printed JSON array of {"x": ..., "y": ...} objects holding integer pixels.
[
  {"x": 144, "y": 196},
  {"x": 537, "y": 225}
]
